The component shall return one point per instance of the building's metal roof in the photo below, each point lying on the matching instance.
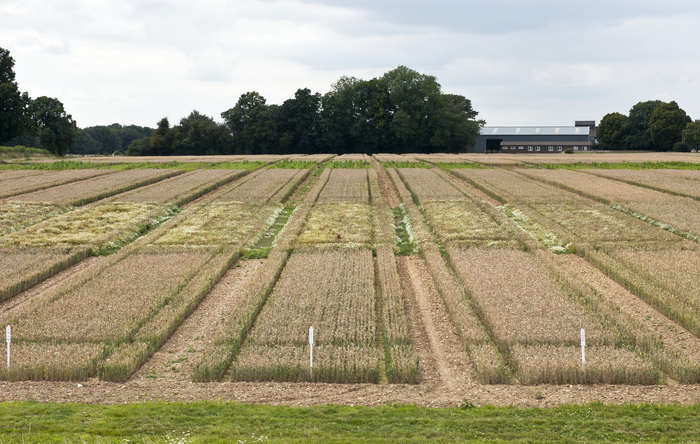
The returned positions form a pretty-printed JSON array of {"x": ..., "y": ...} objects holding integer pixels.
[{"x": 496, "y": 131}]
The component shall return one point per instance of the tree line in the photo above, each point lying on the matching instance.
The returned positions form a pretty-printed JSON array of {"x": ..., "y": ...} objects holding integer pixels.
[
  {"x": 653, "y": 125},
  {"x": 402, "y": 111}
]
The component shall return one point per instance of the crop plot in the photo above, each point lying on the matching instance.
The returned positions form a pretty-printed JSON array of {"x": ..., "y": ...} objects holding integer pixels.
[
  {"x": 463, "y": 222},
  {"x": 346, "y": 185},
  {"x": 675, "y": 213},
  {"x": 47, "y": 180},
  {"x": 660, "y": 180},
  {"x": 97, "y": 188},
  {"x": 341, "y": 224},
  {"x": 16, "y": 216},
  {"x": 101, "y": 226},
  {"x": 334, "y": 293},
  {"x": 181, "y": 189},
  {"x": 261, "y": 187},
  {"x": 220, "y": 224},
  {"x": 427, "y": 185}
]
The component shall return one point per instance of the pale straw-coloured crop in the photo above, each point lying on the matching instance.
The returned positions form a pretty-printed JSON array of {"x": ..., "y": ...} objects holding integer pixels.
[
  {"x": 91, "y": 190},
  {"x": 16, "y": 215},
  {"x": 661, "y": 180},
  {"x": 347, "y": 363},
  {"x": 427, "y": 185},
  {"x": 557, "y": 364},
  {"x": 22, "y": 268},
  {"x": 42, "y": 361},
  {"x": 346, "y": 185},
  {"x": 97, "y": 226},
  {"x": 99, "y": 310},
  {"x": 180, "y": 189},
  {"x": 679, "y": 212},
  {"x": 258, "y": 188},
  {"x": 519, "y": 302},
  {"x": 332, "y": 291},
  {"x": 288, "y": 189},
  {"x": 220, "y": 224},
  {"x": 19, "y": 174},
  {"x": 341, "y": 224},
  {"x": 39, "y": 182},
  {"x": 463, "y": 222}
]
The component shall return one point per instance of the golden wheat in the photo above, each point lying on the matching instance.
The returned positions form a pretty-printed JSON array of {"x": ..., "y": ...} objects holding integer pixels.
[
  {"x": 344, "y": 224},
  {"x": 346, "y": 185},
  {"x": 40, "y": 182},
  {"x": 258, "y": 188}
]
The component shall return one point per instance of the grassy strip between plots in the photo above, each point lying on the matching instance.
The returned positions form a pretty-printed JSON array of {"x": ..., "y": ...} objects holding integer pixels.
[
  {"x": 406, "y": 164},
  {"x": 162, "y": 422},
  {"x": 622, "y": 166},
  {"x": 293, "y": 164},
  {"x": 348, "y": 164},
  {"x": 447, "y": 166}
]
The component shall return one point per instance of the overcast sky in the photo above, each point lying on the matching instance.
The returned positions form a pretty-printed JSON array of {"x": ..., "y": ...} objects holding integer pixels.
[{"x": 534, "y": 62}]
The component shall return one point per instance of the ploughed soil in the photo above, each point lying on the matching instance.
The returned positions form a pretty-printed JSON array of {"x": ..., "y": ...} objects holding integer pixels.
[{"x": 446, "y": 372}]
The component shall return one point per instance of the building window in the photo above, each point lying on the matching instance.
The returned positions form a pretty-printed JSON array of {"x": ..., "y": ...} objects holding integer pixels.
[
  {"x": 558, "y": 148},
  {"x": 550, "y": 148},
  {"x": 512, "y": 147},
  {"x": 504, "y": 147},
  {"x": 585, "y": 148},
  {"x": 529, "y": 148},
  {"x": 537, "y": 148},
  {"x": 520, "y": 147},
  {"x": 575, "y": 148}
]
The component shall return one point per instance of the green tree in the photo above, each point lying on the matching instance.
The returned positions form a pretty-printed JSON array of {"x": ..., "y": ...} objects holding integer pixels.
[
  {"x": 252, "y": 124},
  {"x": 299, "y": 123},
  {"x": 161, "y": 141},
  {"x": 198, "y": 134},
  {"x": 13, "y": 103},
  {"x": 610, "y": 134},
  {"x": 636, "y": 127},
  {"x": 691, "y": 133},
  {"x": 666, "y": 125},
  {"x": 55, "y": 128}
]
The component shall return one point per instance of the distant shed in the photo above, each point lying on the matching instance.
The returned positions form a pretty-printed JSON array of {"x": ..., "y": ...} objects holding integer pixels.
[{"x": 536, "y": 139}]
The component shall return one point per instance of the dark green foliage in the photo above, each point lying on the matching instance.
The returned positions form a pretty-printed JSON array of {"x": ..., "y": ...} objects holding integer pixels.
[
  {"x": 666, "y": 125},
  {"x": 610, "y": 133},
  {"x": 13, "y": 103},
  {"x": 56, "y": 129}
]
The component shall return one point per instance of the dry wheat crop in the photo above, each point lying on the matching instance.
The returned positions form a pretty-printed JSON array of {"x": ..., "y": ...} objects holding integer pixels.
[
  {"x": 427, "y": 185},
  {"x": 258, "y": 188},
  {"x": 677, "y": 211},
  {"x": 19, "y": 174},
  {"x": 463, "y": 222},
  {"x": 47, "y": 180},
  {"x": 332, "y": 291},
  {"x": 659, "y": 180},
  {"x": 346, "y": 185},
  {"x": 91, "y": 190},
  {"x": 180, "y": 189},
  {"x": 41, "y": 361},
  {"x": 520, "y": 302},
  {"x": 22, "y": 268}
]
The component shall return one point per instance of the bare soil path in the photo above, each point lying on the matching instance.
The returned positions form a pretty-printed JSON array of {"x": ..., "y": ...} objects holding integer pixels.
[{"x": 183, "y": 350}]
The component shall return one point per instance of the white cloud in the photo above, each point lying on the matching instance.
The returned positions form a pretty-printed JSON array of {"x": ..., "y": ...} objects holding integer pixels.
[{"x": 537, "y": 62}]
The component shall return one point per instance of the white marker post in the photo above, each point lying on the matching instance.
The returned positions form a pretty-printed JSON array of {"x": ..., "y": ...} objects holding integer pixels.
[
  {"x": 583, "y": 347},
  {"x": 8, "y": 338},
  {"x": 311, "y": 349}
]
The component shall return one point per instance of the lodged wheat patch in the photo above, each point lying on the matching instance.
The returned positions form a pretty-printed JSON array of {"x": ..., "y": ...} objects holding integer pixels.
[
  {"x": 15, "y": 215},
  {"x": 220, "y": 224},
  {"x": 344, "y": 224},
  {"x": 465, "y": 223},
  {"x": 107, "y": 225}
]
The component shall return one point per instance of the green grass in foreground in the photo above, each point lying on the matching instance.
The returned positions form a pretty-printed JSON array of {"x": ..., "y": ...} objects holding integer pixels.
[
  {"x": 229, "y": 422},
  {"x": 622, "y": 166}
]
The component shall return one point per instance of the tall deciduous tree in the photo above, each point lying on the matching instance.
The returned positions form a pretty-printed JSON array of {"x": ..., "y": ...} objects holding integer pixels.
[
  {"x": 55, "y": 128},
  {"x": 636, "y": 127},
  {"x": 13, "y": 103},
  {"x": 666, "y": 125},
  {"x": 691, "y": 133},
  {"x": 610, "y": 133}
]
